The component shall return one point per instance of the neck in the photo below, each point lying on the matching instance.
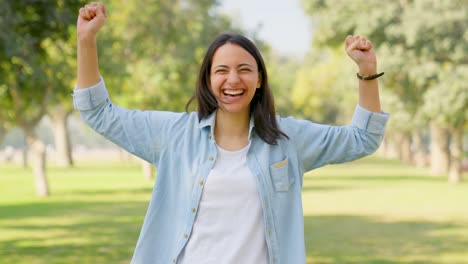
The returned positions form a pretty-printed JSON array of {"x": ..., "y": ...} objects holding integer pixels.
[{"x": 232, "y": 129}]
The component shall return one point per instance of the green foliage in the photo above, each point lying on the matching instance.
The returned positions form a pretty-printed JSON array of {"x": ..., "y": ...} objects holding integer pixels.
[
  {"x": 323, "y": 90},
  {"x": 416, "y": 41},
  {"x": 337, "y": 19},
  {"x": 155, "y": 52},
  {"x": 401, "y": 116},
  {"x": 27, "y": 29},
  {"x": 313, "y": 91},
  {"x": 281, "y": 77},
  {"x": 149, "y": 56},
  {"x": 447, "y": 102}
]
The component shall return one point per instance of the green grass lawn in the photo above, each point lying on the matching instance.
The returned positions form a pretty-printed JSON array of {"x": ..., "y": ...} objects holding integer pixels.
[{"x": 370, "y": 211}]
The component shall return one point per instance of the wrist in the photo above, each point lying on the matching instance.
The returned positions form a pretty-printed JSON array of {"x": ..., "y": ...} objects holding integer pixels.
[
  {"x": 367, "y": 69},
  {"x": 86, "y": 39}
]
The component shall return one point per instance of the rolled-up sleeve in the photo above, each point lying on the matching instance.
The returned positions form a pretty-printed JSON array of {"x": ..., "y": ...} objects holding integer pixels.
[
  {"x": 371, "y": 122},
  {"x": 89, "y": 98},
  {"x": 318, "y": 144},
  {"x": 142, "y": 133}
]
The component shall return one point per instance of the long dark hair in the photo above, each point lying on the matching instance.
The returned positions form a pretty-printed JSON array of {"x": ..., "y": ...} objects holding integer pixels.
[{"x": 262, "y": 106}]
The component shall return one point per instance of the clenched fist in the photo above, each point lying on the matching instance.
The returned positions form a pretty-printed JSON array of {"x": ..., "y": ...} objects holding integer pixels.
[
  {"x": 91, "y": 19},
  {"x": 361, "y": 51}
]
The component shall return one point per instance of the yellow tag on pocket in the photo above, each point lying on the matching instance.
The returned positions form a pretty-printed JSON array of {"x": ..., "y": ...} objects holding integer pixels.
[{"x": 280, "y": 164}]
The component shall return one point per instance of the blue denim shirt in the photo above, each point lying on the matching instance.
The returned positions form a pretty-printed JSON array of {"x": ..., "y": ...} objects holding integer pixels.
[{"x": 183, "y": 149}]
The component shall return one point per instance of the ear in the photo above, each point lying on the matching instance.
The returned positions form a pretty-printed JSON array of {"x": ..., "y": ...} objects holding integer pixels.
[{"x": 259, "y": 83}]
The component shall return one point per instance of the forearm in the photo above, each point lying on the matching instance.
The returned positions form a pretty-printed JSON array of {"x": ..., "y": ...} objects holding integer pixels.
[
  {"x": 369, "y": 95},
  {"x": 369, "y": 89},
  {"x": 88, "y": 68}
]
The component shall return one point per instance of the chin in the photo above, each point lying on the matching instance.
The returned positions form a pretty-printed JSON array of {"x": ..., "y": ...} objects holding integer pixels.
[{"x": 234, "y": 109}]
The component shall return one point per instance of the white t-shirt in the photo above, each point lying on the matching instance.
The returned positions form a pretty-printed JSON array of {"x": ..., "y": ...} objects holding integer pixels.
[{"x": 229, "y": 224}]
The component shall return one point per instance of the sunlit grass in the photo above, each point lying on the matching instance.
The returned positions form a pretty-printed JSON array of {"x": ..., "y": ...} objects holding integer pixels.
[
  {"x": 375, "y": 211},
  {"x": 370, "y": 211},
  {"x": 93, "y": 215}
]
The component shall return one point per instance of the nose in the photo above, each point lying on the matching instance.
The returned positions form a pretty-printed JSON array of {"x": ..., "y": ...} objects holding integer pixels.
[{"x": 233, "y": 77}]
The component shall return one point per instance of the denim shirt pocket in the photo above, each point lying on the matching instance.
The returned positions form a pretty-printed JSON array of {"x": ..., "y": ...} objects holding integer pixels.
[{"x": 279, "y": 176}]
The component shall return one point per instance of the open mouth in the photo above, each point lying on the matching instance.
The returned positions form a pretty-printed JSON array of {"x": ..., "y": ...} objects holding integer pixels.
[{"x": 233, "y": 92}]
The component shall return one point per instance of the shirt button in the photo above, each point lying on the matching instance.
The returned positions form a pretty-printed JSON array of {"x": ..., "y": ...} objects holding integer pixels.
[
  {"x": 193, "y": 210},
  {"x": 173, "y": 260},
  {"x": 185, "y": 235},
  {"x": 201, "y": 183},
  {"x": 211, "y": 158},
  {"x": 209, "y": 136}
]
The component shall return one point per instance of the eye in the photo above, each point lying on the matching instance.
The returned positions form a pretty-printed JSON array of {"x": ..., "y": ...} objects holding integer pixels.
[
  {"x": 245, "y": 70},
  {"x": 220, "y": 71}
]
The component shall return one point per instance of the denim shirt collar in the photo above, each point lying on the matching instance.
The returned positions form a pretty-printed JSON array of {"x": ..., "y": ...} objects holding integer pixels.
[{"x": 210, "y": 121}]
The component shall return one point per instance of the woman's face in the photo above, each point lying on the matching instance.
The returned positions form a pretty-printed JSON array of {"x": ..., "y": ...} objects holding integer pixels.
[{"x": 234, "y": 78}]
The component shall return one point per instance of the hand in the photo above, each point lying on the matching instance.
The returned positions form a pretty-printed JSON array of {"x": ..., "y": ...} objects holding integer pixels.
[
  {"x": 90, "y": 20},
  {"x": 361, "y": 51}
]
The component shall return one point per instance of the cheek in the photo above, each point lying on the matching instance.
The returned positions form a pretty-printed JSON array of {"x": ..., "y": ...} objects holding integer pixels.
[
  {"x": 251, "y": 81},
  {"x": 215, "y": 81},
  {"x": 213, "y": 85}
]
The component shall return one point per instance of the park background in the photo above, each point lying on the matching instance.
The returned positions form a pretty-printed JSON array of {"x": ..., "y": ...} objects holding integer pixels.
[{"x": 68, "y": 196}]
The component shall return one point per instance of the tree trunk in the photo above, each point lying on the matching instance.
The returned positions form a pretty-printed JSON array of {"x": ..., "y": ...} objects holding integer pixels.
[
  {"x": 404, "y": 147},
  {"x": 419, "y": 152},
  {"x": 390, "y": 149},
  {"x": 439, "y": 150},
  {"x": 2, "y": 133},
  {"x": 25, "y": 151},
  {"x": 38, "y": 158},
  {"x": 62, "y": 141},
  {"x": 456, "y": 150},
  {"x": 382, "y": 150},
  {"x": 147, "y": 170}
]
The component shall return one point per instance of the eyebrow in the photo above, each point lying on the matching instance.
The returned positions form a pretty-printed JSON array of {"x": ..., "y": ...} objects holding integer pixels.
[{"x": 240, "y": 65}]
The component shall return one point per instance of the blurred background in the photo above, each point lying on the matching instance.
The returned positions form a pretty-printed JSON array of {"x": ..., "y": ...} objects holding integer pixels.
[{"x": 67, "y": 195}]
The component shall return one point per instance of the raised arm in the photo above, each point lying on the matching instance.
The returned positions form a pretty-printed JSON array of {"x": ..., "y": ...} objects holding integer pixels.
[
  {"x": 142, "y": 133},
  {"x": 90, "y": 20},
  {"x": 318, "y": 145},
  {"x": 362, "y": 52}
]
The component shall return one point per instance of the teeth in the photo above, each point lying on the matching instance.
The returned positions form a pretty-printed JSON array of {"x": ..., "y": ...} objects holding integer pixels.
[{"x": 233, "y": 92}]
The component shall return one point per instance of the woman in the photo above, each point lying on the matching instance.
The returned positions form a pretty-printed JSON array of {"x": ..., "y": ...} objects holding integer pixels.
[{"x": 229, "y": 175}]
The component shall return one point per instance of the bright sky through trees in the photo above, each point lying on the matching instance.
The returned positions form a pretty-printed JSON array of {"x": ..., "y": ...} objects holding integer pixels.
[{"x": 282, "y": 23}]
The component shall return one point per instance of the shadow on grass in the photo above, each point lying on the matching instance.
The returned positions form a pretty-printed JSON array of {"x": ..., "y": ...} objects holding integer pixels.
[
  {"x": 112, "y": 191},
  {"x": 400, "y": 178},
  {"x": 71, "y": 232},
  {"x": 365, "y": 240},
  {"x": 73, "y": 204},
  {"x": 323, "y": 187},
  {"x": 330, "y": 182}
]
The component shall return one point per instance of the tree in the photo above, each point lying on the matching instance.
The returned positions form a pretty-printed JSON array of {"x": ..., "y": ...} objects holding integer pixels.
[
  {"x": 62, "y": 69},
  {"x": 378, "y": 26},
  {"x": 24, "y": 66},
  {"x": 321, "y": 91},
  {"x": 416, "y": 40},
  {"x": 447, "y": 104},
  {"x": 282, "y": 71}
]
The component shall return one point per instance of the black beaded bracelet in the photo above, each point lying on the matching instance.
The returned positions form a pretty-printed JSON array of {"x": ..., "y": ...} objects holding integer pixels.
[{"x": 371, "y": 77}]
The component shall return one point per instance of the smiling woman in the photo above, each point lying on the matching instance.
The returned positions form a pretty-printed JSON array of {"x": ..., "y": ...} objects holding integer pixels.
[
  {"x": 233, "y": 79},
  {"x": 229, "y": 175}
]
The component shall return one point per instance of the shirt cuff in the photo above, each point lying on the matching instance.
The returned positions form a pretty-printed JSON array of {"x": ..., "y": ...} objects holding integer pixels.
[
  {"x": 370, "y": 121},
  {"x": 89, "y": 98}
]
